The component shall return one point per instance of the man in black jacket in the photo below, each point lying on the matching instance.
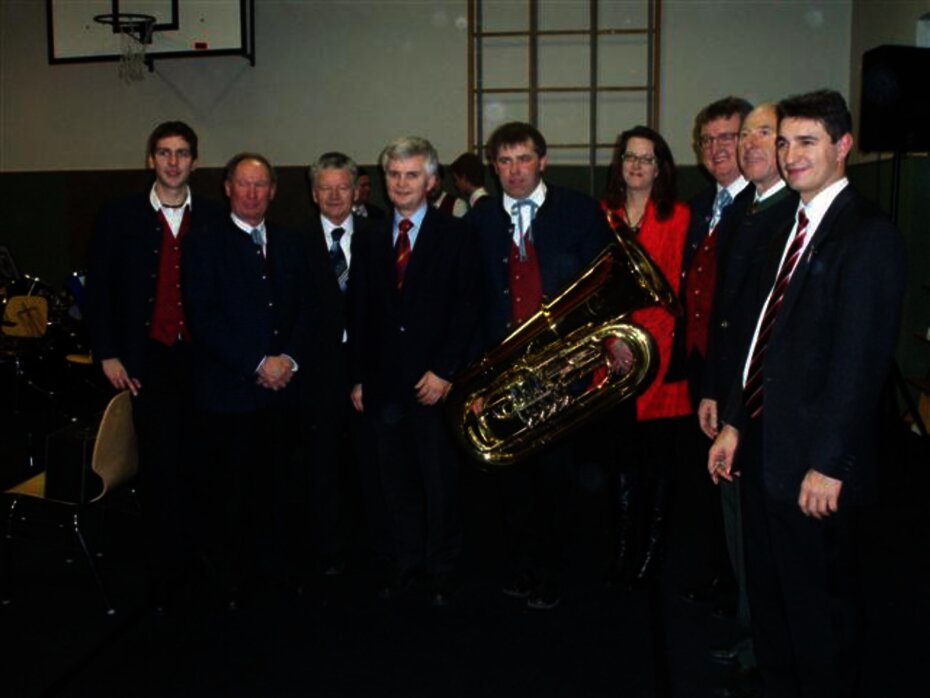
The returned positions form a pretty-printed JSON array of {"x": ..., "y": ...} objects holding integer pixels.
[{"x": 140, "y": 339}]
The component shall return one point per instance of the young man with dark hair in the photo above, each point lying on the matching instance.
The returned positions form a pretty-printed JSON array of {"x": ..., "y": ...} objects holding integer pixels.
[
  {"x": 468, "y": 174},
  {"x": 803, "y": 412},
  {"x": 140, "y": 338}
]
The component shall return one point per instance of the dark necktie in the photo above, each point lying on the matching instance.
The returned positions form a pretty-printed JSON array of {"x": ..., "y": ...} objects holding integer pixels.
[
  {"x": 402, "y": 249},
  {"x": 340, "y": 264},
  {"x": 752, "y": 393}
]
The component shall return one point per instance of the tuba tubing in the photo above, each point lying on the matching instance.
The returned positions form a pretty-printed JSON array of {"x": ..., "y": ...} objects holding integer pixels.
[{"x": 561, "y": 367}]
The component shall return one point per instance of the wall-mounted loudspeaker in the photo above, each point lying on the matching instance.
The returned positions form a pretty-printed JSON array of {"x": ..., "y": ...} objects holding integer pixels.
[{"x": 895, "y": 107}]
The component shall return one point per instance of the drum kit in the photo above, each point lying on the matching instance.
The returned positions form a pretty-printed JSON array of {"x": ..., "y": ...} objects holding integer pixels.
[{"x": 47, "y": 379}]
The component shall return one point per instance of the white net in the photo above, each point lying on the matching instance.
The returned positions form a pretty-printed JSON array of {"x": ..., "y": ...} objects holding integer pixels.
[{"x": 134, "y": 37}]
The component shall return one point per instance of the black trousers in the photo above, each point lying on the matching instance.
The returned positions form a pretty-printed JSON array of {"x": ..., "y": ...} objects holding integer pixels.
[
  {"x": 249, "y": 477},
  {"x": 804, "y": 586},
  {"x": 420, "y": 472},
  {"x": 164, "y": 421},
  {"x": 341, "y": 464}
]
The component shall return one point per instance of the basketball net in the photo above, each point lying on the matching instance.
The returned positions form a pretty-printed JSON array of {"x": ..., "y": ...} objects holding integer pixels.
[{"x": 132, "y": 61}]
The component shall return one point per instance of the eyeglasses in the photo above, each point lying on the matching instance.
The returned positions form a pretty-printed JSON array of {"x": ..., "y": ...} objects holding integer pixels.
[
  {"x": 641, "y": 159},
  {"x": 707, "y": 142}
]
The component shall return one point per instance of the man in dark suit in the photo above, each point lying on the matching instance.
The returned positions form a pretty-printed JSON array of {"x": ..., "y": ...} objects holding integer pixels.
[
  {"x": 339, "y": 441},
  {"x": 763, "y": 223},
  {"x": 803, "y": 413},
  {"x": 363, "y": 208},
  {"x": 414, "y": 314},
  {"x": 249, "y": 312},
  {"x": 534, "y": 241},
  {"x": 714, "y": 210},
  {"x": 140, "y": 338}
]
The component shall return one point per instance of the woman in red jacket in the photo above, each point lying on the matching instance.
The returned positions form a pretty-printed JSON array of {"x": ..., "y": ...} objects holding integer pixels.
[{"x": 640, "y": 203}]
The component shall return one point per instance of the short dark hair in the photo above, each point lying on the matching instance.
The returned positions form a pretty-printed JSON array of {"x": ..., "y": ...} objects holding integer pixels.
[
  {"x": 721, "y": 109},
  {"x": 664, "y": 189},
  {"x": 240, "y": 157},
  {"x": 166, "y": 129},
  {"x": 514, "y": 133},
  {"x": 826, "y": 106},
  {"x": 469, "y": 166},
  {"x": 361, "y": 172},
  {"x": 333, "y": 160}
]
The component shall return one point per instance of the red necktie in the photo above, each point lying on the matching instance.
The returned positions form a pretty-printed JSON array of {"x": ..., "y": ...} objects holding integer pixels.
[
  {"x": 752, "y": 393},
  {"x": 402, "y": 249}
]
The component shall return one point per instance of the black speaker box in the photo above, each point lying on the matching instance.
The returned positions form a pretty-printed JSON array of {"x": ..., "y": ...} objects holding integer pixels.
[{"x": 895, "y": 107}]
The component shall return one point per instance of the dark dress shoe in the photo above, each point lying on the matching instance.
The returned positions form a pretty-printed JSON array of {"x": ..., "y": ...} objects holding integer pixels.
[
  {"x": 442, "y": 589},
  {"x": 545, "y": 597},
  {"x": 521, "y": 586},
  {"x": 724, "y": 655}
]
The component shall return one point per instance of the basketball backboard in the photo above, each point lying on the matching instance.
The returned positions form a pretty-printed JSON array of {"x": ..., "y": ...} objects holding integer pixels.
[{"x": 182, "y": 28}]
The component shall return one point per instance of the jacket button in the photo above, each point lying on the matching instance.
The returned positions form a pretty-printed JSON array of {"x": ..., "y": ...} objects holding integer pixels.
[
  {"x": 724, "y": 324},
  {"x": 270, "y": 303}
]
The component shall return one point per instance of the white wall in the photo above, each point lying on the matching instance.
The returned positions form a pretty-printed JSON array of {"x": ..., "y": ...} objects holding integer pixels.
[
  {"x": 760, "y": 50},
  {"x": 352, "y": 74}
]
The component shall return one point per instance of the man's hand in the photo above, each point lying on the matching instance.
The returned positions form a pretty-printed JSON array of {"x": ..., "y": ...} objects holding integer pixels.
[
  {"x": 431, "y": 388},
  {"x": 820, "y": 495},
  {"x": 116, "y": 373},
  {"x": 275, "y": 372},
  {"x": 720, "y": 456},
  {"x": 707, "y": 418},
  {"x": 356, "y": 397}
]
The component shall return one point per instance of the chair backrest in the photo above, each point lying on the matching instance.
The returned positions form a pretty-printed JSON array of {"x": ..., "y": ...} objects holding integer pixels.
[
  {"x": 115, "y": 456},
  {"x": 29, "y": 315}
]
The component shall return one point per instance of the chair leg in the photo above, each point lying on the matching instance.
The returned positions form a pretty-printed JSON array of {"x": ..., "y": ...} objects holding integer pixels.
[
  {"x": 93, "y": 566},
  {"x": 6, "y": 554}
]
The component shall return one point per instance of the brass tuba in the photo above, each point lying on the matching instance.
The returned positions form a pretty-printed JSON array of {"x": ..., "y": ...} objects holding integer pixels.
[{"x": 559, "y": 368}]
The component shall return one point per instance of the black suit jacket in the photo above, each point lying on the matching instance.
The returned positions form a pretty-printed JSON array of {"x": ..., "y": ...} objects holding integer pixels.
[
  {"x": 242, "y": 307},
  {"x": 123, "y": 274},
  {"x": 324, "y": 380},
  {"x": 569, "y": 231},
  {"x": 829, "y": 352},
  {"x": 397, "y": 336},
  {"x": 755, "y": 237}
]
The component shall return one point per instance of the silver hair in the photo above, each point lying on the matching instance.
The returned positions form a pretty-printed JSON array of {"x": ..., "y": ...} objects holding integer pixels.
[
  {"x": 407, "y": 147},
  {"x": 333, "y": 160}
]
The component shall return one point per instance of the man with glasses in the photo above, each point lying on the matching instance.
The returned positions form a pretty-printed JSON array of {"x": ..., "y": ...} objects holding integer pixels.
[
  {"x": 716, "y": 136},
  {"x": 140, "y": 338}
]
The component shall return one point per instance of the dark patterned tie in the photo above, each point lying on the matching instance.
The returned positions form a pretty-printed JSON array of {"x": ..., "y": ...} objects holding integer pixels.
[
  {"x": 340, "y": 264},
  {"x": 752, "y": 393},
  {"x": 402, "y": 249}
]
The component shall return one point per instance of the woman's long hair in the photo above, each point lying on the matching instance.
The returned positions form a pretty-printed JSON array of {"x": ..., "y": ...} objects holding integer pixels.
[{"x": 663, "y": 192}]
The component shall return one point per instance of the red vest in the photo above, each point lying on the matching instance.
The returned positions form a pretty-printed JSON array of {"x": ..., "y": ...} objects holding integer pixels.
[
  {"x": 168, "y": 314},
  {"x": 699, "y": 294},
  {"x": 525, "y": 283},
  {"x": 446, "y": 203}
]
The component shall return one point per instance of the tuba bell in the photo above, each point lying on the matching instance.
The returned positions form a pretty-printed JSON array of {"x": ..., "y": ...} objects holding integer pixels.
[{"x": 565, "y": 364}]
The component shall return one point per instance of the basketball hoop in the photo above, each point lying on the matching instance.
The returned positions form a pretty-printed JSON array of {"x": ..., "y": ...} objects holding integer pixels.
[{"x": 135, "y": 32}]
